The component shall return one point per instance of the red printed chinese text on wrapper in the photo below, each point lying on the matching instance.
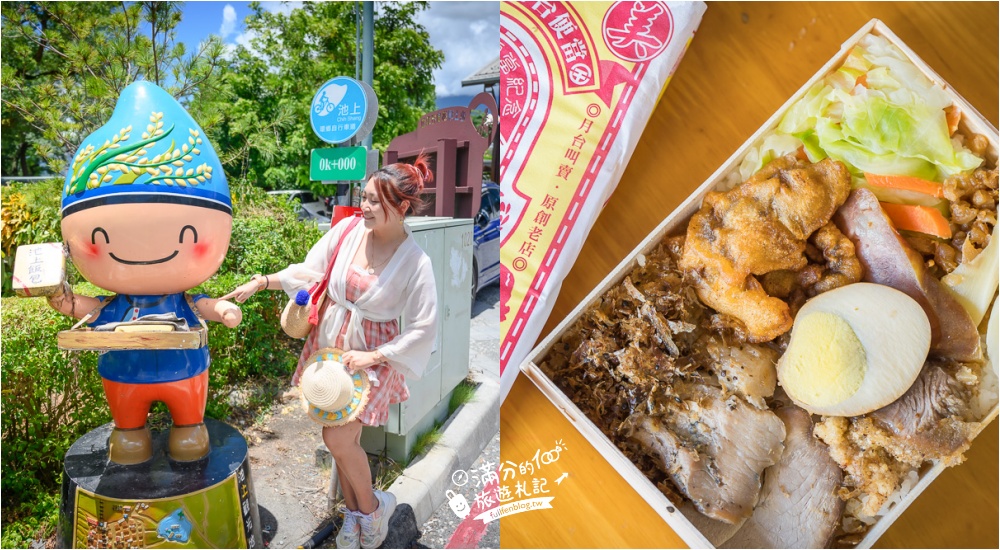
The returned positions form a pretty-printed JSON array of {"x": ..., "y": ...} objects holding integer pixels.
[{"x": 578, "y": 82}]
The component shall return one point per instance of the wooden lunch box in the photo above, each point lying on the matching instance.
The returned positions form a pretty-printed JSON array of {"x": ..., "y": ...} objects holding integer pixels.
[
  {"x": 683, "y": 519},
  {"x": 133, "y": 336},
  {"x": 95, "y": 340}
]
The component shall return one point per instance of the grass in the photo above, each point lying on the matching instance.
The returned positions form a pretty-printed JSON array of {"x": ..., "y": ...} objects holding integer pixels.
[
  {"x": 464, "y": 392},
  {"x": 425, "y": 441},
  {"x": 386, "y": 472}
]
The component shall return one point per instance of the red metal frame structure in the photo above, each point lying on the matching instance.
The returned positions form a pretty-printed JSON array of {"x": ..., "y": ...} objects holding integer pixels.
[{"x": 456, "y": 148}]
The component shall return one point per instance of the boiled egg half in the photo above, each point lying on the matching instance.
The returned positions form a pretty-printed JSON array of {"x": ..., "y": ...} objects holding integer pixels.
[{"x": 854, "y": 349}]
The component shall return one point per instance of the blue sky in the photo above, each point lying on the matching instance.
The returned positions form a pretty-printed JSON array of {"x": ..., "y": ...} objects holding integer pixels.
[
  {"x": 467, "y": 32},
  {"x": 201, "y": 19}
]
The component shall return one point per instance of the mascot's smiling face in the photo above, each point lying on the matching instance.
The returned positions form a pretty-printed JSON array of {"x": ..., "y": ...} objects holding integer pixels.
[
  {"x": 147, "y": 248},
  {"x": 146, "y": 208}
]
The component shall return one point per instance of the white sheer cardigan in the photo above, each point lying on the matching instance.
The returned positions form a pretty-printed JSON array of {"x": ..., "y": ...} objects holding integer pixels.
[{"x": 404, "y": 290}]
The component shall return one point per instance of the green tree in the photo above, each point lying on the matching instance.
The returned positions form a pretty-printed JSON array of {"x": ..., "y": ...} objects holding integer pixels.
[
  {"x": 259, "y": 118},
  {"x": 66, "y": 63}
]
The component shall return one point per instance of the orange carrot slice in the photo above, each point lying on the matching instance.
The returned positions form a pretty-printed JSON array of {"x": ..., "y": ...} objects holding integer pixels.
[
  {"x": 862, "y": 80},
  {"x": 953, "y": 115},
  {"x": 922, "y": 219},
  {"x": 908, "y": 183}
]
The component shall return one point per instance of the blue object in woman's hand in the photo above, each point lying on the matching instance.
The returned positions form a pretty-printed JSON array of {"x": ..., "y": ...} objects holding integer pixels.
[{"x": 302, "y": 297}]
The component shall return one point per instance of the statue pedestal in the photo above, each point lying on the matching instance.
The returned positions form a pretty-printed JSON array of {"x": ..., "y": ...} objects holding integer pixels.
[{"x": 209, "y": 503}]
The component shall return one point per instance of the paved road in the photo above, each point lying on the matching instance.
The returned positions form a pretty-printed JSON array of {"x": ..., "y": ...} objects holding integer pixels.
[
  {"x": 437, "y": 530},
  {"x": 485, "y": 361}
]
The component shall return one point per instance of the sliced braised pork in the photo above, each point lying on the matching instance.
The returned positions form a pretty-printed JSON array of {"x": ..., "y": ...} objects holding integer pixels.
[
  {"x": 932, "y": 420},
  {"x": 713, "y": 447},
  {"x": 798, "y": 506}
]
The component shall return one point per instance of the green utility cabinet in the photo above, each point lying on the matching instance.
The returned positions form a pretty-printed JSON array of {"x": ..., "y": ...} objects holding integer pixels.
[{"x": 448, "y": 243}]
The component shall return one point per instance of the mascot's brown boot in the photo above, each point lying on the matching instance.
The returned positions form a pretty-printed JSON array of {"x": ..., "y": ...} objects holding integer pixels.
[
  {"x": 131, "y": 446},
  {"x": 188, "y": 443}
]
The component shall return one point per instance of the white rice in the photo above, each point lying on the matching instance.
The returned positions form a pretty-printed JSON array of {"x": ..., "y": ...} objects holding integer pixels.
[
  {"x": 854, "y": 521},
  {"x": 905, "y": 486}
]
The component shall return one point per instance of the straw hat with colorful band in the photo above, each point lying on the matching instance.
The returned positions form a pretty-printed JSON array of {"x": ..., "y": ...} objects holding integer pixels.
[
  {"x": 150, "y": 150},
  {"x": 333, "y": 395}
]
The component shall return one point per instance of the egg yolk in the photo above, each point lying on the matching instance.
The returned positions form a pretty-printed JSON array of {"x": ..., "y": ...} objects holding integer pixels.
[{"x": 825, "y": 362}]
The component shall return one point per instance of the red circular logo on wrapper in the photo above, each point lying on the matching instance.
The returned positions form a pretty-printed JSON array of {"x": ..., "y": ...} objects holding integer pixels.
[{"x": 638, "y": 31}]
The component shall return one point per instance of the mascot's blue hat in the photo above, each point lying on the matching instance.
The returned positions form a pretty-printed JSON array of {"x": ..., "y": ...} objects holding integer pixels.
[{"x": 150, "y": 151}]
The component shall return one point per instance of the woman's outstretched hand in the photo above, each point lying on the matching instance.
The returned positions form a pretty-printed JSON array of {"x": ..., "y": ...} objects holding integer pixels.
[
  {"x": 359, "y": 360},
  {"x": 243, "y": 292}
]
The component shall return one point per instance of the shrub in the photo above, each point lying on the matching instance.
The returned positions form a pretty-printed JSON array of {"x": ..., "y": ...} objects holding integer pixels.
[
  {"x": 35, "y": 521},
  {"x": 267, "y": 237},
  {"x": 49, "y": 399}
]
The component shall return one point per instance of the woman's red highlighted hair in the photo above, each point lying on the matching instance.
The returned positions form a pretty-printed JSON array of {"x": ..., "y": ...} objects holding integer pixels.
[{"x": 401, "y": 182}]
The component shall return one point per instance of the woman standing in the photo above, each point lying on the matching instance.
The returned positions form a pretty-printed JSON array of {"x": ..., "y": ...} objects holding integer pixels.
[{"x": 379, "y": 275}]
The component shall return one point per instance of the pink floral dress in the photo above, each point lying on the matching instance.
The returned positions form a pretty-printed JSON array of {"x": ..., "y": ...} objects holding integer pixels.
[{"x": 404, "y": 290}]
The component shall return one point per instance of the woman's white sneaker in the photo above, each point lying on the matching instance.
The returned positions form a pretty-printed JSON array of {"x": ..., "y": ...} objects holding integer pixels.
[
  {"x": 350, "y": 532},
  {"x": 375, "y": 526}
]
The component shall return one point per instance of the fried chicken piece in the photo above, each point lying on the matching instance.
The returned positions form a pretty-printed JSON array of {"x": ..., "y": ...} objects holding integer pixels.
[{"x": 760, "y": 226}]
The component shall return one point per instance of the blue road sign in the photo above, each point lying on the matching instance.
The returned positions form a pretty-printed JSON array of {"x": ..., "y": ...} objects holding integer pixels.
[{"x": 338, "y": 110}]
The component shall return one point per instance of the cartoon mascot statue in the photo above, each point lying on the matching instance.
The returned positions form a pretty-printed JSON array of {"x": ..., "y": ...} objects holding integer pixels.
[{"x": 147, "y": 216}]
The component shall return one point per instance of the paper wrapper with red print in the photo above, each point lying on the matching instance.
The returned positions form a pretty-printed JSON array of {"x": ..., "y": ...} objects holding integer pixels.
[{"x": 578, "y": 82}]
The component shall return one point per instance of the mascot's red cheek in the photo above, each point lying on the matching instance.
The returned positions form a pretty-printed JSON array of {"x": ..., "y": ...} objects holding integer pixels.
[
  {"x": 91, "y": 250},
  {"x": 200, "y": 250}
]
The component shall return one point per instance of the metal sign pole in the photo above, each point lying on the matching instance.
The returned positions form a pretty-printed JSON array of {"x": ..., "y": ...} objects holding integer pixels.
[
  {"x": 344, "y": 111},
  {"x": 368, "y": 43}
]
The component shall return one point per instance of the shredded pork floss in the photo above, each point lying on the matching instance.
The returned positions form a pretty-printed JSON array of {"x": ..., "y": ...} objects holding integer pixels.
[{"x": 648, "y": 355}]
